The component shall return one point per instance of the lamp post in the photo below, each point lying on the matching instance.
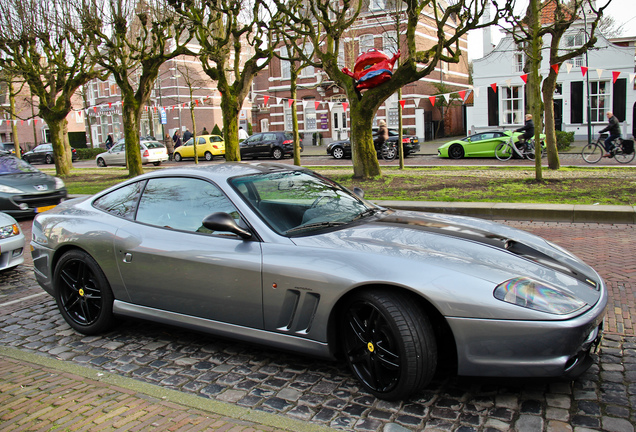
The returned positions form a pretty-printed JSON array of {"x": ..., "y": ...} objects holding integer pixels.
[{"x": 587, "y": 84}]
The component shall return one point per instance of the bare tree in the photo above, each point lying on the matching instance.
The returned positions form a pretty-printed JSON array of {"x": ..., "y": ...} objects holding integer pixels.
[
  {"x": 131, "y": 39},
  {"x": 236, "y": 42},
  {"x": 43, "y": 42},
  {"x": 326, "y": 21}
]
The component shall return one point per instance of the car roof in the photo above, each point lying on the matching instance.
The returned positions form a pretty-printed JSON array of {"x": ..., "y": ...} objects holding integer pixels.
[{"x": 226, "y": 170}]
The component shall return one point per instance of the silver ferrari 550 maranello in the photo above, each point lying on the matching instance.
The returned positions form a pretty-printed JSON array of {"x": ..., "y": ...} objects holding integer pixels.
[{"x": 281, "y": 256}]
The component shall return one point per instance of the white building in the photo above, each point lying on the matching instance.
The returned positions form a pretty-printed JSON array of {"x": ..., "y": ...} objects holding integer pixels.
[{"x": 604, "y": 79}]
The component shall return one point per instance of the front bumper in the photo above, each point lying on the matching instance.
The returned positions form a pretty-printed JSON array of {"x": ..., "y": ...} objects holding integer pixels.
[{"x": 528, "y": 348}]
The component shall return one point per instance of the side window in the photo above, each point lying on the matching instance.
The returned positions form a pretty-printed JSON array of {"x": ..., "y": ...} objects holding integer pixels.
[
  {"x": 120, "y": 202},
  {"x": 182, "y": 203},
  {"x": 201, "y": 140}
]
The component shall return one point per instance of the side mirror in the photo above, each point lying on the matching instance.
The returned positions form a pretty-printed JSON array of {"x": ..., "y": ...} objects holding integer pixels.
[
  {"x": 358, "y": 191},
  {"x": 221, "y": 221}
]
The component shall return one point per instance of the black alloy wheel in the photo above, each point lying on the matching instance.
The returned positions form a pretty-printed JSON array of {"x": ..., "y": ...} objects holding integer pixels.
[
  {"x": 82, "y": 293},
  {"x": 389, "y": 343},
  {"x": 277, "y": 153},
  {"x": 49, "y": 159},
  {"x": 456, "y": 151}
]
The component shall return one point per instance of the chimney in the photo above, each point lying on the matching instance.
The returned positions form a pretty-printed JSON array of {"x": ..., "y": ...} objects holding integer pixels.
[{"x": 486, "y": 33}]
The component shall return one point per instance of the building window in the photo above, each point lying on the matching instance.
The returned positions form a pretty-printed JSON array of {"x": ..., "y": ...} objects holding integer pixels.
[
  {"x": 377, "y": 5},
  {"x": 285, "y": 70},
  {"x": 289, "y": 125},
  {"x": 512, "y": 103},
  {"x": 392, "y": 110},
  {"x": 309, "y": 115},
  {"x": 264, "y": 125},
  {"x": 599, "y": 100},
  {"x": 366, "y": 43},
  {"x": 103, "y": 89},
  {"x": 308, "y": 71},
  {"x": 390, "y": 42},
  {"x": 518, "y": 62}
]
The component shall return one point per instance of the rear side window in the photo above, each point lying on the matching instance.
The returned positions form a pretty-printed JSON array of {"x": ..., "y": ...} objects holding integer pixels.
[
  {"x": 120, "y": 202},
  {"x": 289, "y": 136}
]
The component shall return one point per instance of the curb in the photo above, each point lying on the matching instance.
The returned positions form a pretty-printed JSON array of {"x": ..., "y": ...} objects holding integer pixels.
[{"x": 575, "y": 213}]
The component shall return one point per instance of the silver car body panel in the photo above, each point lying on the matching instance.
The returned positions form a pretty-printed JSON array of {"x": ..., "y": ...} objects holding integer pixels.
[{"x": 286, "y": 290}]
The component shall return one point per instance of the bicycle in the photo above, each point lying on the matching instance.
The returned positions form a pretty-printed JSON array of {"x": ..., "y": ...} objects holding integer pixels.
[
  {"x": 504, "y": 150},
  {"x": 388, "y": 151},
  {"x": 623, "y": 150}
]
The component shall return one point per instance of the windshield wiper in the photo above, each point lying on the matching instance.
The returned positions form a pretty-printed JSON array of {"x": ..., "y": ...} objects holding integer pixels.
[
  {"x": 326, "y": 224},
  {"x": 368, "y": 212}
]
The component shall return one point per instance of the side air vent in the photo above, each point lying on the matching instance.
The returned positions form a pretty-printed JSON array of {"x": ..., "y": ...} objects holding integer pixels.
[{"x": 298, "y": 311}]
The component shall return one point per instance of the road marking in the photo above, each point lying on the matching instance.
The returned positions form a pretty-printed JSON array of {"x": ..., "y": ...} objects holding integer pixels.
[{"x": 21, "y": 299}]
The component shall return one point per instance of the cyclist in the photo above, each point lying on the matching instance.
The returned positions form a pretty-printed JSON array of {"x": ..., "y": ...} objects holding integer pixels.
[
  {"x": 528, "y": 133},
  {"x": 614, "y": 129},
  {"x": 381, "y": 136}
]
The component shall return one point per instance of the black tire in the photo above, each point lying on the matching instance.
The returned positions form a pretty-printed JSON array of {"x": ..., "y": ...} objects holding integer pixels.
[
  {"x": 503, "y": 152},
  {"x": 101, "y": 162},
  {"x": 48, "y": 159},
  {"x": 389, "y": 343},
  {"x": 157, "y": 163},
  {"x": 389, "y": 152},
  {"x": 277, "y": 153},
  {"x": 592, "y": 153},
  {"x": 82, "y": 293},
  {"x": 456, "y": 151},
  {"x": 177, "y": 157},
  {"x": 337, "y": 153},
  {"x": 208, "y": 156},
  {"x": 622, "y": 157}
]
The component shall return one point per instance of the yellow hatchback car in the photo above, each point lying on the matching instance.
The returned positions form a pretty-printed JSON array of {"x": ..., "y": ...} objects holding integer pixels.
[{"x": 208, "y": 146}]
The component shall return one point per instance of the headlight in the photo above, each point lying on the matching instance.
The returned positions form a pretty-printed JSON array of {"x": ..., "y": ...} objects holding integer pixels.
[
  {"x": 59, "y": 184},
  {"x": 9, "y": 231},
  {"x": 535, "y": 295},
  {"x": 9, "y": 189}
]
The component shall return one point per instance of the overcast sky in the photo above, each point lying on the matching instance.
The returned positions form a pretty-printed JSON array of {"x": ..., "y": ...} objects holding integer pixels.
[{"x": 623, "y": 12}]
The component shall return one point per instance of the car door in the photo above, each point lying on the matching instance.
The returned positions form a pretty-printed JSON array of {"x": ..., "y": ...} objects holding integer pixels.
[
  {"x": 39, "y": 153},
  {"x": 264, "y": 147},
  {"x": 249, "y": 146},
  {"x": 168, "y": 261},
  {"x": 116, "y": 155}
]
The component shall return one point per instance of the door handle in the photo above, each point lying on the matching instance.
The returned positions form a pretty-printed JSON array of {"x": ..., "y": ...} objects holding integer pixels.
[{"x": 127, "y": 257}]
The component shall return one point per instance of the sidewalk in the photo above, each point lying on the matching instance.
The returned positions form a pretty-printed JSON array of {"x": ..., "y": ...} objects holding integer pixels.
[{"x": 39, "y": 393}]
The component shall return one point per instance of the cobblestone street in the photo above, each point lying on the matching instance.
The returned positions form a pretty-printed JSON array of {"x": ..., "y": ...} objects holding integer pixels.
[{"x": 324, "y": 393}]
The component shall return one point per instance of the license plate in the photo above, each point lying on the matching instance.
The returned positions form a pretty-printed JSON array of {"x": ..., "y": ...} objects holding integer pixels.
[{"x": 43, "y": 209}]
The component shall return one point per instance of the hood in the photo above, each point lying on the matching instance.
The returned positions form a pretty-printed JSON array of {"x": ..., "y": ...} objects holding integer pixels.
[
  {"x": 482, "y": 249},
  {"x": 32, "y": 182}
]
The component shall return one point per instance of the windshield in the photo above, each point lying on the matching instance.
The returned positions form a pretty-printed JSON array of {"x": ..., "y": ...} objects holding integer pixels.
[
  {"x": 13, "y": 165},
  {"x": 299, "y": 202}
]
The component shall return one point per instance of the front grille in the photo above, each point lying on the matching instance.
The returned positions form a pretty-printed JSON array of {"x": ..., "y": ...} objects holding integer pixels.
[{"x": 41, "y": 200}]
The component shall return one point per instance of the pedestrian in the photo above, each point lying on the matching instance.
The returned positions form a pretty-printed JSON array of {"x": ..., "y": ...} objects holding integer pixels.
[
  {"x": 205, "y": 131},
  {"x": 169, "y": 145},
  {"x": 109, "y": 142},
  {"x": 242, "y": 134},
  {"x": 176, "y": 138},
  {"x": 187, "y": 135}
]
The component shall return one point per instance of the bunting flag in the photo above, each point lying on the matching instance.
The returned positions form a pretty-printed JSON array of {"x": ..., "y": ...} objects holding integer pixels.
[
  {"x": 110, "y": 104},
  {"x": 615, "y": 75},
  {"x": 331, "y": 104},
  {"x": 508, "y": 82},
  {"x": 524, "y": 77},
  {"x": 345, "y": 105},
  {"x": 417, "y": 102},
  {"x": 599, "y": 72},
  {"x": 402, "y": 103},
  {"x": 476, "y": 90},
  {"x": 196, "y": 102},
  {"x": 584, "y": 70},
  {"x": 316, "y": 104},
  {"x": 432, "y": 100},
  {"x": 568, "y": 67},
  {"x": 631, "y": 78},
  {"x": 265, "y": 99},
  {"x": 555, "y": 68},
  {"x": 446, "y": 97},
  {"x": 493, "y": 86},
  {"x": 291, "y": 102},
  {"x": 462, "y": 94}
]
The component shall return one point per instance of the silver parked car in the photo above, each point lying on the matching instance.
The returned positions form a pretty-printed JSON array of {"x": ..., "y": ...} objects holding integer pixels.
[
  {"x": 152, "y": 152},
  {"x": 279, "y": 255},
  {"x": 11, "y": 242}
]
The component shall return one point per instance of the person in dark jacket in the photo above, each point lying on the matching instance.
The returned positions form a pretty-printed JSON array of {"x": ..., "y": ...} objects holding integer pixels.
[
  {"x": 187, "y": 135},
  {"x": 614, "y": 129},
  {"x": 527, "y": 129}
]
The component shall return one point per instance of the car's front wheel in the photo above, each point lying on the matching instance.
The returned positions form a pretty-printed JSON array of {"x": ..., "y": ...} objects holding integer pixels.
[
  {"x": 456, "y": 151},
  {"x": 49, "y": 159},
  {"x": 101, "y": 162},
  {"x": 177, "y": 157},
  {"x": 82, "y": 293},
  {"x": 277, "y": 153},
  {"x": 389, "y": 343},
  {"x": 338, "y": 153}
]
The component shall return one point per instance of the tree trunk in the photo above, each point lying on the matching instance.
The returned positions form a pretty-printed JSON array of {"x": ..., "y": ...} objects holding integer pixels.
[
  {"x": 534, "y": 81},
  {"x": 549, "y": 85},
  {"x": 363, "y": 154},
  {"x": 131, "y": 118},
  {"x": 293, "y": 92},
  {"x": 230, "y": 126},
  {"x": 194, "y": 132},
  {"x": 61, "y": 148},
  {"x": 14, "y": 127}
]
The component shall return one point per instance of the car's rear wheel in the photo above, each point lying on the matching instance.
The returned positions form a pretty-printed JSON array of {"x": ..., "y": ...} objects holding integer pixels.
[
  {"x": 456, "y": 151},
  {"x": 101, "y": 162},
  {"x": 177, "y": 157},
  {"x": 82, "y": 293},
  {"x": 157, "y": 163},
  {"x": 208, "y": 156},
  {"x": 338, "y": 153},
  {"x": 48, "y": 159},
  {"x": 389, "y": 343},
  {"x": 277, "y": 153}
]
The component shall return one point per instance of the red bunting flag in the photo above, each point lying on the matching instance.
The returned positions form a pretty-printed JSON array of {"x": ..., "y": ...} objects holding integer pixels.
[
  {"x": 402, "y": 103},
  {"x": 494, "y": 87},
  {"x": 432, "y": 100},
  {"x": 266, "y": 99},
  {"x": 8, "y": 122},
  {"x": 196, "y": 102},
  {"x": 524, "y": 77},
  {"x": 291, "y": 102},
  {"x": 316, "y": 104},
  {"x": 110, "y": 104},
  {"x": 345, "y": 105},
  {"x": 95, "y": 109},
  {"x": 462, "y": 94},
  {"x": 584, "y": 70},
  {"x": 36, "y": 120},
  {"x": 615, "y": 74},
  {"x": 555, "y": 68}
]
